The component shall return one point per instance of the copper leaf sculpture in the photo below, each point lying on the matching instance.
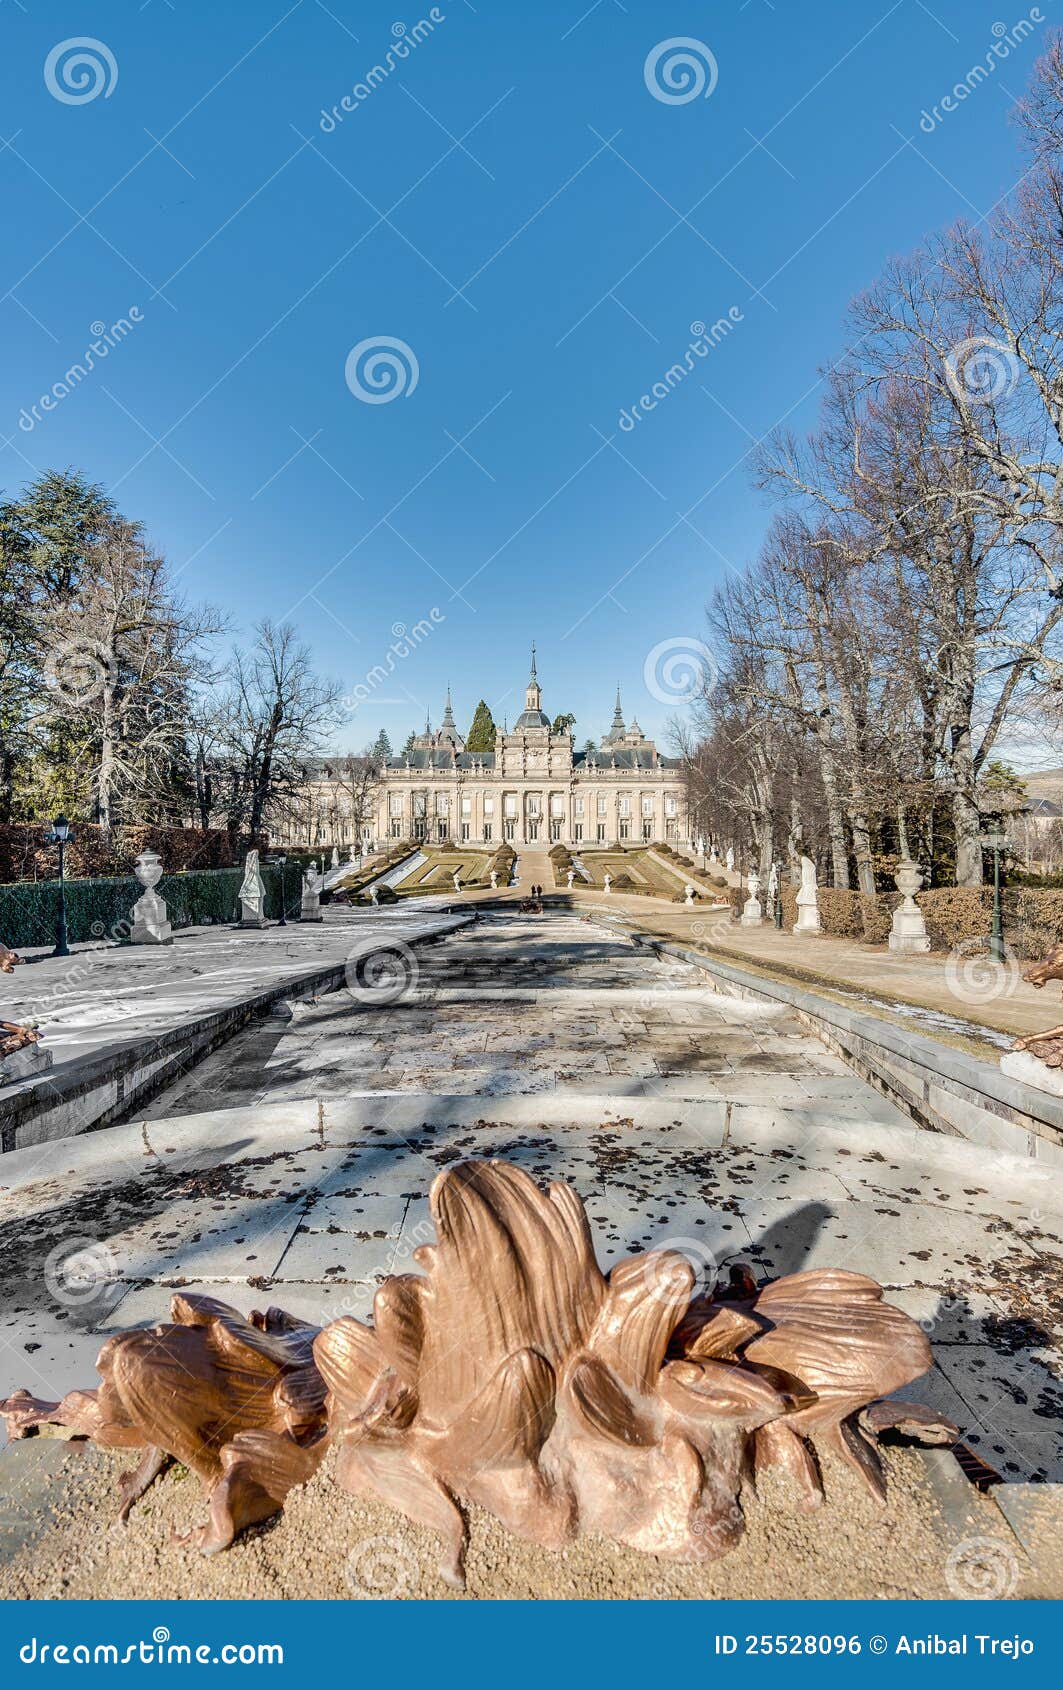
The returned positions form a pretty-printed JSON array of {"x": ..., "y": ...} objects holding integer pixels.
[
  {"x": 515, "y": 1375},
  {"x": 512, "y": 1373},
  {"x": 238, "y": 1401}
]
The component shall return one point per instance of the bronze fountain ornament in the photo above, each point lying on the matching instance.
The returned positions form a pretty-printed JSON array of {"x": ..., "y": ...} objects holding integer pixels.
[{"x": 513, "y": 1374}]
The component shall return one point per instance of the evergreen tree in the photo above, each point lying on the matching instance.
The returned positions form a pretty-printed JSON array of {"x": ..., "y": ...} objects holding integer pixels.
[
  {"x": 408, "y": 747},
  {"x": 481, "y": 736},
  {"x": 563, "y": 724},
  {"x": 381, "y": 747}
]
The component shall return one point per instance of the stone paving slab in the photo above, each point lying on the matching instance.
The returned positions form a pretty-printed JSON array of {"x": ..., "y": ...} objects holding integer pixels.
[{"x": 309, "y": 1201}]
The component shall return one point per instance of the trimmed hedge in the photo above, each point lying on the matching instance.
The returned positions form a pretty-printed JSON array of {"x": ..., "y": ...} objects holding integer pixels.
[
  {"x": 955, "y": 915},
  {"x": 25, "y": 856},
  {"x": 101, "y": 908}
]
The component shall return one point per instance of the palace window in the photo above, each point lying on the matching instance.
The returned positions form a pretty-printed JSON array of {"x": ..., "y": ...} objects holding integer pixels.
[
  {"x": 555, "y": 832},
  {"x": 442, "y": 803},
  {"x": 509, "y": 828},
  {"x": 647, "y": 831},
  {"x": 579, "y": 806},
  {"x": 420, "y": 828},
  {"x": 669, "y": 806},
  {"x": 510, "y": 806},
  {"x": 625, "y": 830},
  {"x": 464, "y": 832},
  {"x": 489, "y": 810},
  {"x": 396, "y": 827},
  {"x": 671, "y": 828},
  {"x": 602, "y": 811},
  {"x": 420, "y": 804},
  {"x": 578, "y": 831},
  {"x": 601, "y": 832},
  {"x": 466, "y": 806},
  {"x": 487, "y": 833},
  {"x": 647, "y": 805},
  {"x": 625, "y": 805},
  {"x": 557, "y": 804},
  {"x": 441, "y": 829},
  {"x": 395, "y": 803}
]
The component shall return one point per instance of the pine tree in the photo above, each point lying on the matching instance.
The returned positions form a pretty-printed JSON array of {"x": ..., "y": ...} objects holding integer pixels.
[
  {"x": 481, "y": 736},
  {"x": 408, "y": 747},
  {"x": 381, "y": 747}
]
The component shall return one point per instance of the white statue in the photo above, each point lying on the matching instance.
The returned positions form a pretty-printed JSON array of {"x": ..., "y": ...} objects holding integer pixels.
[
  {"x": 807, "y": 902},
  {"x": 730, "y": 859},
  {"x": 494, "y": 880},
  {"x": 908, "y": 933},
  {"x": 689, "y": 895},
  {"x": 150, "y": 926},
  {"x": 335, "y": 857},
  {"x": 252, "y": 893},
  {"x": 457, "y": 881},
  {"x": 714, "y": 859},
  {"x": 608, "y": 880},
  {"x": 374, "y": 895},
  {"x": 571, "y": 878},
  {"x": 310, "y": 906},
  {"x": 752, "y": 910},
  {"x": 773, "y": 884}
]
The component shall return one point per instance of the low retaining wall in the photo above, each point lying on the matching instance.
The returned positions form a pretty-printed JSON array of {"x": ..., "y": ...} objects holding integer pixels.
[
  {"x": 941, "y": 1088},
  {"x": 97, "y": 1091}
]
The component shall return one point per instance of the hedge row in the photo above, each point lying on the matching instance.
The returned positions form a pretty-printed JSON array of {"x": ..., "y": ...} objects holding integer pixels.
[
  {"x": 100, "y": 908},
  {"x": 25, "y": 856},
  {"x": 955, "y": 915}
]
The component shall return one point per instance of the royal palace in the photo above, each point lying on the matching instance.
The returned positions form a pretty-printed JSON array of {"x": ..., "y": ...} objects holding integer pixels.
[{"x": 534, "y": 787}]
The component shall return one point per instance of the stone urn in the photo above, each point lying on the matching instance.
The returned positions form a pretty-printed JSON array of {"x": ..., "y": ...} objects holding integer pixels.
[
  {"x": 752, "y": 909},
  {"x": 150, "y": 925},
  {"x": 908, "y": 934}
]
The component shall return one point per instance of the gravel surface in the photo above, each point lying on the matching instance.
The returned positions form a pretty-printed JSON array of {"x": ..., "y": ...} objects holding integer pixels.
[{"x": 328, "y": 1545}]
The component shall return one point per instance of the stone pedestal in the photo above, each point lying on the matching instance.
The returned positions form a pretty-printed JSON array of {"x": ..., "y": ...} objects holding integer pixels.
[
  {"x": 23, "y": 1064},
  {"x": 689, "y": 897},
  {"x": 908, "y": 935},
  {"x": 753, "y": 909},
  {"x": 807, "y": 923},
  {"x": 310, "y": 906},
  {"x": 150, "y": 926},
  {"x": 1024, "y": 1065}
]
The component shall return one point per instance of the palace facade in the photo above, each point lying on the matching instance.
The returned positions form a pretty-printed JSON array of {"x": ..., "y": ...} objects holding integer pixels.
[{"x": 535, "y": 787}]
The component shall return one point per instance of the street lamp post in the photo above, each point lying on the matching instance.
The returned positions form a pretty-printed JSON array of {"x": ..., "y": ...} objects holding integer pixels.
[
  {"x": 282, "y": 864},
  {"x": 996, "y": 843},
  {"x": 61, "y": 836}
]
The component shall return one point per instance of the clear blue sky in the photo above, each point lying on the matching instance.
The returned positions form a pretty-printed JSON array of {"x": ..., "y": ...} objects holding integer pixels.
[{"x": 517, "y": 155}]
